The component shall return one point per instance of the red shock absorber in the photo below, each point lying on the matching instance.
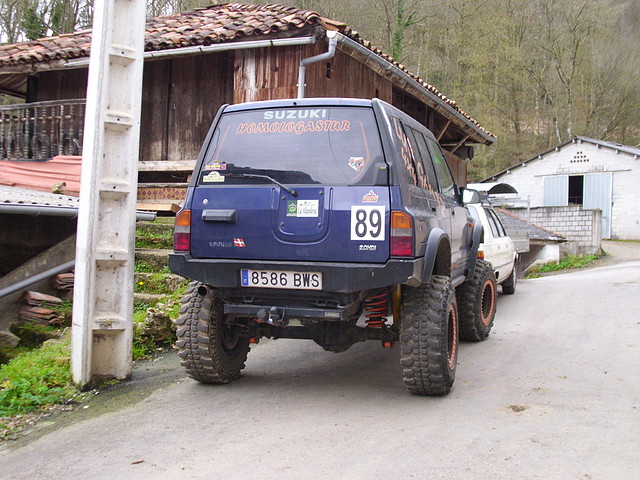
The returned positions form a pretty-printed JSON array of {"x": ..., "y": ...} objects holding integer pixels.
[{"x": 376, "y": 308}]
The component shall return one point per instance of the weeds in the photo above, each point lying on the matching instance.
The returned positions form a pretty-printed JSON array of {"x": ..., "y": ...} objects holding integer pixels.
[
  {"x": 35, "y": 379},
  {"x": 568, "y": 263}
]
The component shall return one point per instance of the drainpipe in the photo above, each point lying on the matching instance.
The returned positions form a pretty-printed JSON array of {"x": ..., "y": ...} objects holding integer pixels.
[{"x": 302, "y": 72}]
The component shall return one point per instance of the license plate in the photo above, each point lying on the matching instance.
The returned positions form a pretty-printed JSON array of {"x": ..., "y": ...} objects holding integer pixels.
[{"x": 281, "y": 279}]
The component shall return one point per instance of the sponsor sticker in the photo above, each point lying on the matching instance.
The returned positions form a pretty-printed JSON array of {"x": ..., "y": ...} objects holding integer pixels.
[
  {"x": 302, "y": 208},
  {"x": 307, "y": 208},
  {"x": 370, "y": 197},
  {"x": 292, "y": 208},
  {"x": 216, "y": 166},
  {"x": 356, "y": 163},
  {"x": 213, "y": 177}
]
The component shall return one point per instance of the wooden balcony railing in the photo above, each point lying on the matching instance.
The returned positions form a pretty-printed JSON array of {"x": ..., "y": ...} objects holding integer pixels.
[{"x": 41, "y": 130}]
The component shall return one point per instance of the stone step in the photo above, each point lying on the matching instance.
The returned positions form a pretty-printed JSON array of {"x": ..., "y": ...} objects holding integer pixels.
[
  {"x": 148, "y": 298},
  {"x": 170, "y": 280},
  {"x": 156, "y": 259},
  {"x": 155, "y": 228}
]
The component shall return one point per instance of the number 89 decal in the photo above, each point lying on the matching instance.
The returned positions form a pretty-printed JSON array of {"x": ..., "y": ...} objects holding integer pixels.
[{"x": 367, "y": 223}]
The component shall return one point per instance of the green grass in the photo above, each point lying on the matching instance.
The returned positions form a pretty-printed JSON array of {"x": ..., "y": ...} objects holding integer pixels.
[
  {"x": 154, "y": 283},
  {"x": 141, "y": 266},
  {"x": 570, "y": 262},
  {"x": 36, "y": 379}
]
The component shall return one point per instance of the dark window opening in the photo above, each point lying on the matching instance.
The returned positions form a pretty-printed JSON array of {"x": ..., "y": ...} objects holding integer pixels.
[{"x": 576, "y": 189}]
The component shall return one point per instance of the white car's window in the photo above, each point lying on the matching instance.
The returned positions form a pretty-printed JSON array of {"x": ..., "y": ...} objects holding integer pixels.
[{"x": 496, "y": 225}]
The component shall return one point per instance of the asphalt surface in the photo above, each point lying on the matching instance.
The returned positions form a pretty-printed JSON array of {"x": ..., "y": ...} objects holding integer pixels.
[{"x": 553, "y": 393}]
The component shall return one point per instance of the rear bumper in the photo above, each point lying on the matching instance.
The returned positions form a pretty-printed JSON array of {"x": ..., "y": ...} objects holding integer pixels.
[{"x": 337, "y": 277}]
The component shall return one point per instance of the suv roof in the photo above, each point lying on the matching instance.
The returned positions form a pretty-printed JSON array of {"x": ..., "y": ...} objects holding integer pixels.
[{"x": 325, "y": 101}]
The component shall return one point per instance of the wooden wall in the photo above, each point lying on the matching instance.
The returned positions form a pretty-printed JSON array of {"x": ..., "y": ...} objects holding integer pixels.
[
  {"x": 266, "y": 73},
  {"x": 181, "y": 96},
  {"x": 61, "y": 84}
]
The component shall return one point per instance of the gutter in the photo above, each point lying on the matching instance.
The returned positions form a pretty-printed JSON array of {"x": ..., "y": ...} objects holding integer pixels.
[
  {"x": 405, "y": 77},
  {"x": 218, "y": 47}
]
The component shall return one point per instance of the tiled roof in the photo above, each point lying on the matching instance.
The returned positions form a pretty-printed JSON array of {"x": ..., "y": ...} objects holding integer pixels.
[
  {"x": 202, "y": 26},
  {"x": 229, "y": 22}
]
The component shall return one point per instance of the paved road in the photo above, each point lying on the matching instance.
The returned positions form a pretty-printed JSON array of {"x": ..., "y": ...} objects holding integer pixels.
[{"x": 553, "y": 393}]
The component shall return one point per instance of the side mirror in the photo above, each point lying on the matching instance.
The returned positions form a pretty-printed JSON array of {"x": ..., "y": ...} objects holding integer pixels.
[{"x": 470, "y": 196}]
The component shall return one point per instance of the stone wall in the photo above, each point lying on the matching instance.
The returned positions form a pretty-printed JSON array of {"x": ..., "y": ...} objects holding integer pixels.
[{"x": 583, "y": 228}]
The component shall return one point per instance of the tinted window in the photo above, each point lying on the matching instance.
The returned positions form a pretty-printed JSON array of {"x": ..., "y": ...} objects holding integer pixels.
[
  {"x": 405, "y": 151},
  {"x": 428, "y": 179},
  {"x": 445, "y": 179},
  {"x": 325, "y": 145}
]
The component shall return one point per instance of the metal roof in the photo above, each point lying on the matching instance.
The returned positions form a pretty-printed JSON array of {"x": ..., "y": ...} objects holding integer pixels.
[{"x": 22, "y": 196}]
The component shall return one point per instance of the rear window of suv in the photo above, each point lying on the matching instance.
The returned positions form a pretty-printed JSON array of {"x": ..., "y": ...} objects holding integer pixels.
[{"x": 304, "y": 145}]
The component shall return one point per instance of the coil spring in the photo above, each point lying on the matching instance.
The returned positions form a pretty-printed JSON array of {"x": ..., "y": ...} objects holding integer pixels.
[{"x": 376, "y": 308}]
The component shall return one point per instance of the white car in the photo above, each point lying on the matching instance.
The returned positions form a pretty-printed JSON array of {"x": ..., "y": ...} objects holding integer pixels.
[{"x": 496, "y": 246}]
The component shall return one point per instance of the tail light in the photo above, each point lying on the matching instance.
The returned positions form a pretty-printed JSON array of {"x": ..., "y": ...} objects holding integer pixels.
[
  {"x": 401, "y": 234},
  {"x": 182, "y": 232}
]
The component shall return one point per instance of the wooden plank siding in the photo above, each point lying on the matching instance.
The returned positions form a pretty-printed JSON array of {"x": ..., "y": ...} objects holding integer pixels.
[
  {"x": 343, "y": 76},
  {"x": 266, "y": 73},
  {"x": 154, "y": 131},
  {"x": 199, "y": 85},
  {"x": 61, "y": 84}
]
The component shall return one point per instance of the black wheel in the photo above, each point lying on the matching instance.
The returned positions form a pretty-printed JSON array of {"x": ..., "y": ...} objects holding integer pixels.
[
  {"x": 429, "y": 337},
  {"x": 211, "y": 351},
  {"x": 477, "y": 303},
  {"x": 509, "y": 285}
]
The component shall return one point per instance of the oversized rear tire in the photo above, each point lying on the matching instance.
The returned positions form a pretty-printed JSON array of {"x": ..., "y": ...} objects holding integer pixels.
[
  {"x": 429, "y": 337},
  {"x": 509, "y": 285},
  {"x": 210, "y": 351},
  {"x": 477, "y": 303}
]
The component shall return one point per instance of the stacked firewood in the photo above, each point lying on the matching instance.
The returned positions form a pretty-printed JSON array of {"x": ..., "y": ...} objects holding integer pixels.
[{"x": 40, "y": 308}]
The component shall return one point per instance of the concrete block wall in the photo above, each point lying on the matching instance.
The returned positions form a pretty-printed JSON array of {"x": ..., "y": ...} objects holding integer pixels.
[{"x": 583, "y": 228}]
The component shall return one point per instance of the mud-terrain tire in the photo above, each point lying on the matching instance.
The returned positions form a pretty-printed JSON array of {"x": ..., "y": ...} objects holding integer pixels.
[
  {"x": 210, "y": 351},
  {"x": 509, "y": 285},
  {"x": 477, "y": 303},
  {"x": 429, "y": 337}
]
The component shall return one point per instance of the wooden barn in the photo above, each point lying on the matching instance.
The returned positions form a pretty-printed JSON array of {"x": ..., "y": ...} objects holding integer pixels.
[{"x": 197, "y": 61}]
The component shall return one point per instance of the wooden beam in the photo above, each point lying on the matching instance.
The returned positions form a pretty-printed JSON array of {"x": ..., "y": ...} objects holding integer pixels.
[
  {"x": 459, "y": 144},
  {"x": 444, "y": 129}
]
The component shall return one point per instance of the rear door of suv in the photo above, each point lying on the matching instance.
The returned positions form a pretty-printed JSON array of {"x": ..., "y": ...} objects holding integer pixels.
[{"x": 301, "y": 182}]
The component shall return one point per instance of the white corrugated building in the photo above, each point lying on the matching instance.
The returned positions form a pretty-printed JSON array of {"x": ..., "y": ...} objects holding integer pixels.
[{"x": 588, "y": 174}]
